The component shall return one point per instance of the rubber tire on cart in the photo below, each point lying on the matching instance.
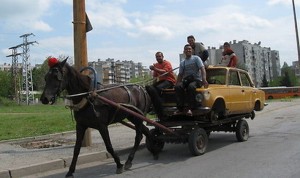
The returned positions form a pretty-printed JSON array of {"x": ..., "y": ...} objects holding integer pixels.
[
  {"x": 242, "y": 130},
  {"x": 198, "y": 141},
  {"x": 155, "y": 146}
]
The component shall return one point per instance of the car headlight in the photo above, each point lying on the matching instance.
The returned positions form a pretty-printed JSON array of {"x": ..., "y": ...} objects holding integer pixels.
[
  {"x": 206, "y": 95},
  {"x": 199, "y": 97}
]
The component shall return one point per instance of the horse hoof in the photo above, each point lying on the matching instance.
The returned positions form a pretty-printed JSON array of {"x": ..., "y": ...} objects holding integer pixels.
[
  {"x": 128, "y": 165},
  {"x": 119, "y": 170},
  {"x": 155, "y": 156},
  {"x": 69, "y": 175}
]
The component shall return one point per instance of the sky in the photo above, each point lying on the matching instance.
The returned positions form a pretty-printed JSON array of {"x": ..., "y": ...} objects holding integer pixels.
[{"x": 136, "y": 29}]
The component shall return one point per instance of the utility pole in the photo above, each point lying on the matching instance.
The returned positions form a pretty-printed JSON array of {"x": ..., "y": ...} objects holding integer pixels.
[
  {"x": 15, "y": 73},
  {"x": 296, "y": 29},
  {"x": 80, "y": 47},
  {"x": 27, "y": 83}
]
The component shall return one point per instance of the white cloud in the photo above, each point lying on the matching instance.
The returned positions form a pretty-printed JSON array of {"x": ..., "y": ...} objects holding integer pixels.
[
  {"x": 107, "y": 15},
  {"x": 42, "y": 26},
  {"x": 286, "y": 2},
  {"x": 18, "y": 14}
]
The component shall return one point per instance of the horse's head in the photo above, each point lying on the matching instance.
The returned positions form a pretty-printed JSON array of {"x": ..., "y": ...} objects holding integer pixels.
[{"x": 55, "y": 82}]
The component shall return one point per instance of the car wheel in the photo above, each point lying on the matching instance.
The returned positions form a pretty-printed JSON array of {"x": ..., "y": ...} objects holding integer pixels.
[
  {"x": 242, "y": 130},
  {"x": 217, "y": 111},
  {"x": 198, "y": 141}
]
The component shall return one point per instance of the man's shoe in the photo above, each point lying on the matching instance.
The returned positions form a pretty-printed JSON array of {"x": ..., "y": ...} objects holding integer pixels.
[
  {"x": 189, "y": 113},
  {"x": 177, "y": 112}
]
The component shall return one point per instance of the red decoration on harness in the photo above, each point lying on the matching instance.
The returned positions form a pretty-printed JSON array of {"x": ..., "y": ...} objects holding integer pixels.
[{"x": 52, "y": 62}]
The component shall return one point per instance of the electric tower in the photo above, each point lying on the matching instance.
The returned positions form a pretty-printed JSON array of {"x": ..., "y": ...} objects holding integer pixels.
[
  {"x": 15, "y": 72},
  {"x": 27, "y": 83}
]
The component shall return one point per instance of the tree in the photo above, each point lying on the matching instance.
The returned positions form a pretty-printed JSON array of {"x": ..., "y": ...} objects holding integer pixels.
[
  {"x": 38, "y": 75},
  {"x": 285, "y": 81},
  {"x": 6, "y": 84},
  {"x": 289, "y": 77},
  {"x": 143, "y": 80},
  {"x": 264, "y": 81}
]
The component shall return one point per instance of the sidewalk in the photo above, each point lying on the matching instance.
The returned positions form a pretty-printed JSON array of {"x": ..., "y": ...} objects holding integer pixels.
[{"x": 23, "y": 157}]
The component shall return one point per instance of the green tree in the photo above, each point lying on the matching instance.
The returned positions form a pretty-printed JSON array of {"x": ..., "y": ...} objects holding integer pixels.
[
  {"x": 38, "y": 75},
  {"x": 6, "y": 84},
  {"x": 142, "y": 80},
  {"x": 264, "y": 81},
  {"x": 288, "y": 76},
  {"x": 285, "y": 80}
]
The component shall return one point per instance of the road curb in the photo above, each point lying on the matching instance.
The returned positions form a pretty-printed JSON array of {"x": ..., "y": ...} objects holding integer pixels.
[{"x": 61, "y": 163}]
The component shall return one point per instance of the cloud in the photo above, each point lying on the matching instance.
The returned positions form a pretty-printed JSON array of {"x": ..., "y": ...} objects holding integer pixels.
[
  {"x": 286, "y": 2},
  {"x": 18, "y": 14}
]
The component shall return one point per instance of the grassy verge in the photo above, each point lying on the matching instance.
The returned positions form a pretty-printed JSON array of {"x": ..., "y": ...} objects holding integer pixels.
[{"x": 19, "y": 121}]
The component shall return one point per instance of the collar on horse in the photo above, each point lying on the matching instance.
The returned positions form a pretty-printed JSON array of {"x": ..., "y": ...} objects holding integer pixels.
[{"x": 78, "y": 106}]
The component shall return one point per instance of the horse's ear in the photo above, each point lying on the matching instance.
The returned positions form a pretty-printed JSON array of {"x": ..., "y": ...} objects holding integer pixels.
[{"x": 62, "y": 63}]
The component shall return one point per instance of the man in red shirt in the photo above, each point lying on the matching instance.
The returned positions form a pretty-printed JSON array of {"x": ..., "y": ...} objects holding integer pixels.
[
  {"x": 162, "y": 71},
  {"x": 229, "y": 55}
]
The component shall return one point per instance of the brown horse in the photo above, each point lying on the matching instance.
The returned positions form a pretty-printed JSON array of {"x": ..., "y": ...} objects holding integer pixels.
[{"x": 90, "y": 112}]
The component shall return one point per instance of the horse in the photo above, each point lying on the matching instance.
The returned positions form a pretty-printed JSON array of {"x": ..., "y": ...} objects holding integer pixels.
[{"x": 90, "y": 112}]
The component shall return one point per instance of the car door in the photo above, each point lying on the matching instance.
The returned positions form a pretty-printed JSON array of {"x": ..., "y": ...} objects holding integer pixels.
[
  {"x": 249, "y": 91},
  {"x": 237, "y": 96}
]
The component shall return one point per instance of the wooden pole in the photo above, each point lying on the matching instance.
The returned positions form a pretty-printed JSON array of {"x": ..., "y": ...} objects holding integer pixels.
[
  {"x": 296, "y": 29},
  {"x": 80, "y": 47}
]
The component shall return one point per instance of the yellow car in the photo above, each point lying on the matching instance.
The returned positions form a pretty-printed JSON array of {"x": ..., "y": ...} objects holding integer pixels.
[{"x": 231, "y": 92}]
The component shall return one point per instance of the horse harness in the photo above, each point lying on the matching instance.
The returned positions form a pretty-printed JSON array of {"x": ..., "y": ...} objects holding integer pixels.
[{"x": 91, "y": 100}]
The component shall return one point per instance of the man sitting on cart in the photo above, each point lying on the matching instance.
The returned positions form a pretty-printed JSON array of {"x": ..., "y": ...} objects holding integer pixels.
[
  {"x": 162, "y": 72},
  {"x": 191, "y": 75}
]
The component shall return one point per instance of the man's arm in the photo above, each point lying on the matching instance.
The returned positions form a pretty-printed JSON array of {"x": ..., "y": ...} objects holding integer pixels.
[{"x": 203, "y": 74}]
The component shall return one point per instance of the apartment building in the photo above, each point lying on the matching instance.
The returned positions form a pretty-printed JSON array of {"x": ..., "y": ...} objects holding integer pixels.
[
  {"x": 257, "y": 60},
  {"x": 110, "y": 71}
]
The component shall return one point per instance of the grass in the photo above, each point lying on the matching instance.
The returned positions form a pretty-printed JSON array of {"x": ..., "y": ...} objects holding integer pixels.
[{"x": 19, "y": 121}]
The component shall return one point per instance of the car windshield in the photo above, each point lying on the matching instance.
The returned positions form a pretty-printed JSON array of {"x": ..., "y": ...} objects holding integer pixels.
[{"x": 216, "y": 76}]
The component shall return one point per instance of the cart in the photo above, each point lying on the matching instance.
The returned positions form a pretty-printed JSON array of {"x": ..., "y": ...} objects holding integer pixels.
[{"x": 195, "y": 129}]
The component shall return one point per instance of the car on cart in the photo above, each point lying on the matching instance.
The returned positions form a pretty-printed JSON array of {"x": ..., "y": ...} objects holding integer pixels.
[{"x": 230, "y": 98}]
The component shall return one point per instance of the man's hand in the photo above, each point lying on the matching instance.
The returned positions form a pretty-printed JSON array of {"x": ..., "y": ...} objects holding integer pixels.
[
  {"x": 205, "y": 83},
  {"x": 151, "y": 67}
]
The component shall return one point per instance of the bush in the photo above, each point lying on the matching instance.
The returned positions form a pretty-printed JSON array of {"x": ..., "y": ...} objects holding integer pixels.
[{"x": 7, "y": 102}]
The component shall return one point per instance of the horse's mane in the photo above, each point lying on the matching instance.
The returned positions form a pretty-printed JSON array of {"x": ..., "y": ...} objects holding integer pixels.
[{"x": 78, "y": 80}]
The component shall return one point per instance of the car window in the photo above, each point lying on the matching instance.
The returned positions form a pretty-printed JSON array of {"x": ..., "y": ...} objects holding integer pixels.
[
  {"x": 245, "y": 80},
  {"x": 234, "y": 78},
  {"x": 216, "y": 76}
]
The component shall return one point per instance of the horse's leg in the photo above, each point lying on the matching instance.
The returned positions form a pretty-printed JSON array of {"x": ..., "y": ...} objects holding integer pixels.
[
  {"x": 80, "y": 131},
  {"x": 138, "y": 138},
  {"x": 105, "y": 136}
]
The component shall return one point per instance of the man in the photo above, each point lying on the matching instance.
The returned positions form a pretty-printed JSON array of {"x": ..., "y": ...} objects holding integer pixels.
[
  {"x": 198, "y": 49},
  {"x": 229, "y": 58},
  {"x": 191, "y": 75},
  {"x": 162, "y": 71}
]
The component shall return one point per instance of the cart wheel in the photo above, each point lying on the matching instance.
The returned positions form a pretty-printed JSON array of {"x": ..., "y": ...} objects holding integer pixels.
[
  {"x": 242, "y": 130},
  {"x": 154, "y": 145},
  {"x": 198, "y": 142}
]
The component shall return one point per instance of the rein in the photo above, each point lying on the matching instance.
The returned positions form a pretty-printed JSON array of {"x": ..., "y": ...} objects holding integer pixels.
[
  {"x": 101, "y": 90},
  {"x": 148, "y": 81}
]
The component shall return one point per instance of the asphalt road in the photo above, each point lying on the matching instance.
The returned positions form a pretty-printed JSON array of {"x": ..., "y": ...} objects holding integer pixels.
[{"x": 272, "y": 151}]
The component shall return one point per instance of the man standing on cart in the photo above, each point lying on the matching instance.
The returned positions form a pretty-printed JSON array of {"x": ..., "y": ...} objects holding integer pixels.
[{"x": 191, "y": 75}]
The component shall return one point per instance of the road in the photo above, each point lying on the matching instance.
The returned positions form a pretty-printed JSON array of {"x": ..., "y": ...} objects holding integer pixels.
[{"x": 272, "y": 151}]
